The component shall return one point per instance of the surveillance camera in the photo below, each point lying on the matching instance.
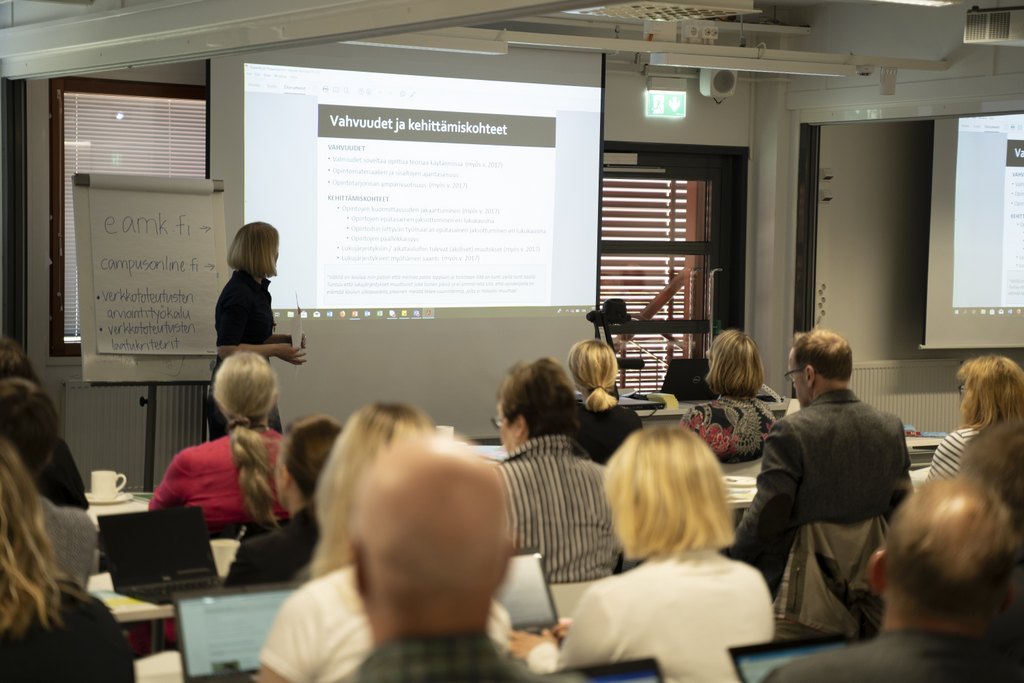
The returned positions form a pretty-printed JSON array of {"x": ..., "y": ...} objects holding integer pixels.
[{"x": 865, "y": 69}]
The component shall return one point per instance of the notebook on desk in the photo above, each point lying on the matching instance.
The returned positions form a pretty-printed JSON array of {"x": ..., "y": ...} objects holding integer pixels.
[
  {"x": 152, "y": 555},
  {"x": 221, "y": 631},
  {"x": 685, "y": 380}
]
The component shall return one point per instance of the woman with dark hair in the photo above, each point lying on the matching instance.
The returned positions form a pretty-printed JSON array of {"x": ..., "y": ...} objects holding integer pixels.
[
  {"x": 60, "y": 482},
  {"x": 555, "y": 491},
  {"x": 281, "y": 554},
  {"x": 49, "y": 629},
  {"x": 243, "y": 316}
]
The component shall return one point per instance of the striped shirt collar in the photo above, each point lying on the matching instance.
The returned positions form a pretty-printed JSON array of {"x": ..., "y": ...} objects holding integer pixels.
[{"x": 549, "y": 444}]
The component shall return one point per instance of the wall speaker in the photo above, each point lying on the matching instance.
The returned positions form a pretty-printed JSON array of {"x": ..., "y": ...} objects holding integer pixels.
[{"x": 717, "y": 83}]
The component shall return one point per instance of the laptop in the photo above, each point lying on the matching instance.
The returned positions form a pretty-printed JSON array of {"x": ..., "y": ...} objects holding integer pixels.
[
  {"x": 754, "y": 662},
  {"x": 154, "y": 554},
  {"x": 637, "y": 671},
  {"x": 221, "y": 631},
  {"x": 525, "y": 594},
  {"x": 685, "y": 380}
]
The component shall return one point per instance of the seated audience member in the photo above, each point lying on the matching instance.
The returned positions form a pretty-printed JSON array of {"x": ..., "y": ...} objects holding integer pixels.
[
  {"x": 281, "y": 554},
  {"x": 836, "y": 460},
  {"x": 604, "y": 424},
  {"x": 944, "y": 574},
  {"x": 992, "y": 389},
  {"x": 431, "y": 546},
  {"x": 555, "y": 492},
  {"x": 321, "y": 633},
  {"x": 231, "y": 478},
  {"x": 60, "y": 480},
  {"x": 735, "y": 424},
  {"x": 995, "y": 461},
  {"x": 50, "y": 630},
  {"x": 28, "y": 419},
  {"x": 686, "y": 604}
]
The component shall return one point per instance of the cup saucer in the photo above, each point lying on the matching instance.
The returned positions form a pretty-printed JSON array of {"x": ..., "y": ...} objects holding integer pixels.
[{"x": 122, "y": 497}]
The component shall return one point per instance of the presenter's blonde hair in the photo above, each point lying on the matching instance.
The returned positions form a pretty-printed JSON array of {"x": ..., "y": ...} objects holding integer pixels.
[
  {"x": 366, "y": 433},
  {"x": 254, "y": 250},
  {"x": 594, "y": 370},
  {"x": 245, "y": 389},
  {"x": 666, "y": 494},
  {"x": 993, "y": 391},
  {"x": 29, "y": 589}
]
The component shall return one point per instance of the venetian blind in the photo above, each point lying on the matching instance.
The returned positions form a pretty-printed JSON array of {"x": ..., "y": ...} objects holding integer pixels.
[
  {"x": 131, "y": 135},
  {"x": 643, "y": 220}
]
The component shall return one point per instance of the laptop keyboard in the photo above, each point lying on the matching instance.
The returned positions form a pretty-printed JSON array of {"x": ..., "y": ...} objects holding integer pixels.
[{"x": 163, "y": 592}]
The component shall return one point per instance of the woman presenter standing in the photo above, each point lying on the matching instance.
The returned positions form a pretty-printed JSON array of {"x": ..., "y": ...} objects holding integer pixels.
[{"x": 244, "y": 319}]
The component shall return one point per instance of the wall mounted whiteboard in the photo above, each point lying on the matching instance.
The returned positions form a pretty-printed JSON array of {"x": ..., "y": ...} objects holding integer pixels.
[{"x": 151, "y": 263}]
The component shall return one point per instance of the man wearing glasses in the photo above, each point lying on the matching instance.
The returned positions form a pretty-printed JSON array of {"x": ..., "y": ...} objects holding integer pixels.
[{"x": 836, "y": 460}]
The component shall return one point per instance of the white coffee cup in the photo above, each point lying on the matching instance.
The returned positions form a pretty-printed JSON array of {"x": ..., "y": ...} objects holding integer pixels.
[
  {"x": 224, "y": 551},
  {"x": 106, "y": 484}
]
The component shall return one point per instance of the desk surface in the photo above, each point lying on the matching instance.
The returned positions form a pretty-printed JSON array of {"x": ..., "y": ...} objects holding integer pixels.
[
  {"x": 129, "y": 506},
  {"x": 126, "y": 610}
]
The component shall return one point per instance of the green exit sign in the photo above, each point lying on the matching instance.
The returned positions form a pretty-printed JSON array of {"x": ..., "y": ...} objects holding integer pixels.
[{"x": 666, "y": 104}]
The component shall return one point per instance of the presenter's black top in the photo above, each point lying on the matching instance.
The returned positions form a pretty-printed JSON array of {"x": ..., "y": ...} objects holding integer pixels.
[
  {"x": 88, "y": 647},
  {"x": 243, "y": 314},
  {"x": 602, "y": 433},
  {"x": 61, "y": 482},
  {"x": 276, "y": 556}
]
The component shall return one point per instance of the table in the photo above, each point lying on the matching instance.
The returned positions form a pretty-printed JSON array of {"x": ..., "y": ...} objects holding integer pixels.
[
  {"x": 126, "y": 610},
  {"x": 163, "y": 667},
  {"x": 130, "y": 506}
]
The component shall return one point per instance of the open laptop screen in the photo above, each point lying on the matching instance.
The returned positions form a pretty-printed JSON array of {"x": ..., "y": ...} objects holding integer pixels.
[
  {"x": 222, "y": 631},
  {"x": 753, "y": 663},
  {"x": 525, "y": 593},
  {"x": 636, "y": 671}
]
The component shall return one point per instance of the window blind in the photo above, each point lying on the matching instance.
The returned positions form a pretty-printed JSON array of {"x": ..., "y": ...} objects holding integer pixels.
[
  {"x": 132, "y": 135},
  {"x": 643, "y": 220}
]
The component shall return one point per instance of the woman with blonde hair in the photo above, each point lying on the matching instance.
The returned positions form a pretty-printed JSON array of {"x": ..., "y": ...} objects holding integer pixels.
[
  {"x": 231, "y": 478},
  {"x": 49, "y": 629},
  {"x": 687, "y": 604},
  {"x": 283, "y": 553},
  {"x": 243, "y": 317},
  {"x": 992, "y": 390},
  {"x": 320, "y": 633},
  {"x": 604, "y": 424},
  {"x": 735, "y": 424}
]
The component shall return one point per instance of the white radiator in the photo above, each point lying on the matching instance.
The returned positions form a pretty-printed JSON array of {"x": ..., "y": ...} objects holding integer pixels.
[
  {"x": 924, "y": 393},
  {"x": 105, "y": 427}
]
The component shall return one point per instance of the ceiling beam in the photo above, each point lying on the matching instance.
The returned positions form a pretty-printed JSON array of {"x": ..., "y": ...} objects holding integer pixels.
[{"x": 180, "y": 30}]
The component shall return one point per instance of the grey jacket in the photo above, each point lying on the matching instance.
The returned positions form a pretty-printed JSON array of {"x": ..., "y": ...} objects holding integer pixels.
[{"x": 837, "y": 460}]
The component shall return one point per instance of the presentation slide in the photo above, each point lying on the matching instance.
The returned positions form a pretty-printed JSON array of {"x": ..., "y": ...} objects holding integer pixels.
[
  {"x": 439, "y": 215},
  {"x": 976, "y": 245},
  {"x": 988, "y": 251},
  {"x": 431, "y": 193}
]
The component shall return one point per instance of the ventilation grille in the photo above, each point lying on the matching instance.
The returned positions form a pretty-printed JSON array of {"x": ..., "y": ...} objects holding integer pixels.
[
  {"x": 667, "y": 11},
  {"x": 987, "y": 26},
  {"x": 922, "y": 393}
]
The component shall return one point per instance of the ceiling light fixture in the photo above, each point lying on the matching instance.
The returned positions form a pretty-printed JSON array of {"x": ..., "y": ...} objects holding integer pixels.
[{"x": 777, "y": 66}]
